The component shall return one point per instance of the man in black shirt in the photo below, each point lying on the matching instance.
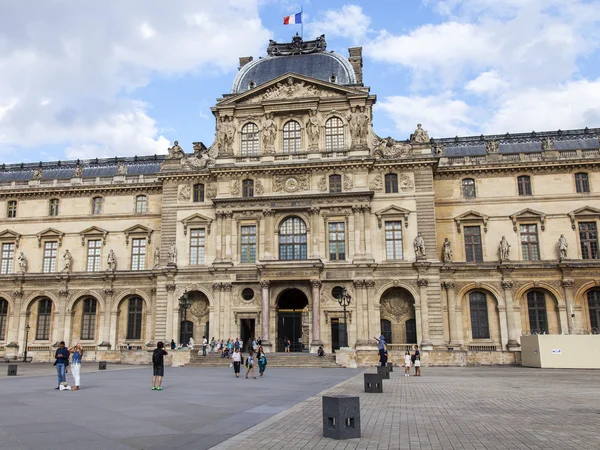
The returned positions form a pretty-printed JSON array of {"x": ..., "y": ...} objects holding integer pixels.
[
  {"x": 158, "y": 363},
  {"x": 62, "y": 361}
]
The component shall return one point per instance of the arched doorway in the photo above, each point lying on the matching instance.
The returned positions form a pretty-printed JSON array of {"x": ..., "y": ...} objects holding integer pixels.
[
  {"x": 397, "y": 313},
  {"x": 291, "y": 325},
  {"x": 194, "y": 321}
]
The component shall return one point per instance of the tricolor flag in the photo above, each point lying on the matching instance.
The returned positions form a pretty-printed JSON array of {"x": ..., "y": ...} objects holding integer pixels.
[{"x": 294, "y": 18}]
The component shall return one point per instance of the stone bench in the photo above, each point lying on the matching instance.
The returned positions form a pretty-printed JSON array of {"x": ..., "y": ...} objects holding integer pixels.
[{"x": 341, "y": 417}]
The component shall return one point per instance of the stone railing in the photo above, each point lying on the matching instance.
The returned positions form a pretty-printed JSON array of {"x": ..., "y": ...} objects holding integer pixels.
[
  {"x": 98, "y": 181},
  {"x": 400, "y": 347},
  {"x": 482, "y": 348},
  {"x": 499, "y": 158}
]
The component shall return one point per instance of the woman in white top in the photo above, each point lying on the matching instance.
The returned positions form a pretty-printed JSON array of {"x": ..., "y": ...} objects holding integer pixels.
[
  {"x": 236, "y": 359},
  {"x": 407, "y": 363}
]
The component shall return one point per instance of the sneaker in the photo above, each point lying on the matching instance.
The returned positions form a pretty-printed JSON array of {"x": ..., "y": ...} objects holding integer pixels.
[
  {"x": 153, "y": 388},
  {"x": 159, "y": 388},
  {"x": 56, "y": 388}
]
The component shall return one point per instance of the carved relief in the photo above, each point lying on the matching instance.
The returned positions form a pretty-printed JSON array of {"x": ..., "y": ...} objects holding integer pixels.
[
  {"x": 397, "y": 304},
  {"x": 291, "y": 88},
  {"x": 322, "y": 185},
  {"x": 376, "y": 183},
  {"x": 225, "y": 136},
  {"x": 258, "y": 187},
  {"x": 358, "y": 121},
  {"x": 185, "y": 193},
  {"x": 211, "y": 190},
  {"x": 37, "y": 174},
  {"x": 348, "y": 183},
  {"x": 235, "y": 189},
  {"x": 492, "y": 147},
  {"x": 407, "y": 183},
  {"x": 390, "y": 148},
  {"x": 291, "y": 183}
]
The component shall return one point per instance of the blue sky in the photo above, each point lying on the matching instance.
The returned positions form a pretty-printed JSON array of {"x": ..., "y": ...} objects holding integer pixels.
[{"x": 82, "y": 79}]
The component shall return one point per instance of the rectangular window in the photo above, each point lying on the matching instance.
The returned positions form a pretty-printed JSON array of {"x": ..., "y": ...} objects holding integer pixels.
[
  {"x": 140, "y": 204},
  {"x": 337, "y": 241},
  {"x": 3, "y": 319},
  {"x": 393, "y": 240},
  {"x": 588, "y": 237},
  {"x": 44, "y": 318},
  {"x": 582, "y": 182},
  {"x": 138, "y": 254},
  {"x": 50, "y": 250},
  {"x": 391, "y": 183},
  {"x": 524, "y": 184},
  {"x": 248, "y": 244},
  {"x": 197, "y": 246},
  {"x": 54, "y": 207},
  {"x": 97, "y": 205},
  {"x": 11, "y": 209},
  {"x": 529, "y": 242},
  {"x": 93, "y": 255},
  {"x": 88, "y": 322},
  {"x": 473, "y": 249},
  {"x": 198, "y": 193},
  {"x": 8, "y": 257},
  {"x": 134, "y": 319}
]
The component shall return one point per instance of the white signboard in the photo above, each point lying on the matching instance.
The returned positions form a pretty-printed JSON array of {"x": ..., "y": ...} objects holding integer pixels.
[{"x": 556, "y": 351}]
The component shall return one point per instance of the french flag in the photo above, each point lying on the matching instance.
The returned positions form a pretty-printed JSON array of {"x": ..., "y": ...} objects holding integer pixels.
[{"x": 294, "y": 18}]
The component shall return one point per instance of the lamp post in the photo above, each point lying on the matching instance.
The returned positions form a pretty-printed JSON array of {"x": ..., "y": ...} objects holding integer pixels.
[
  {"x": 185, "y": 303},
  {"x": 26, "y": 340},
  {"x": 344, "y": 301}
]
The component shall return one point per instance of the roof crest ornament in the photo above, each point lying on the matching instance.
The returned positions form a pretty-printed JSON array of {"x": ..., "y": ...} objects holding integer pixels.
[{"x": 297, "y": 47}]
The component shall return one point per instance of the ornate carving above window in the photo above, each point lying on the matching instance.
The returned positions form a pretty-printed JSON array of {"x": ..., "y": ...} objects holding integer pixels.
[
  {"x": 470, "y": 218},
  {"x": 392, "y": 212},
  {"x": 585, "y": 213},
  {"x": 196, "y": 220},
  {"x": 9, "y": 235},
  {"x": 50, "y": 234},
  {"x": 138, "y": 230},
  {"x": 93, "y": 232},
  {"x": 528, "y": 215}
]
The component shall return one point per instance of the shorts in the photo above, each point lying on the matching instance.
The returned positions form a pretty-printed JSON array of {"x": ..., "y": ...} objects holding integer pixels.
[{"x": 159, "y": 371}]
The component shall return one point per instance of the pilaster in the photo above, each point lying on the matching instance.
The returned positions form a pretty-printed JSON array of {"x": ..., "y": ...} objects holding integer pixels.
[{"x": 316, "y": 315}]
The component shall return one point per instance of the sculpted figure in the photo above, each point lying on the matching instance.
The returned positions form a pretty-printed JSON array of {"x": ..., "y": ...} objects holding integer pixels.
[
  {"x": 312, "y": 127},
  {"x": 447, "y": 251},
  {"x": 37, "y": 174},
  {"x": 157, "y": 257},
  {"x": 358, "y": 121},
  {"x": 78, "y": 173},
  {"x": 67, "y": 261},
  {"x": 419, "y": 245},
  {"x": 228, "y": 135},
  {"x": 22, "y": 262},
  {"x": 547, "y": 144},
  {"x": 122, "y": 170},
  {"x": 112, "y": 261},
  {"x": 269, "y": 131},
  {"x": 504, "y": 249},
  {"x": 562, "y": 246},
  {"x": 176, "y": 151},
  {"x": 492, "y": 146},
  {"x": 173, "y": 254},
  {"x": 353, "y": 122},
  {"x": 420, "y": 135}
]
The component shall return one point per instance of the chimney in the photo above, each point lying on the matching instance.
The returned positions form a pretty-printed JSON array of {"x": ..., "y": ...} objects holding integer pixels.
[
  {"x": 244, "y": 60},
  {"x": 357, "y": 62}
]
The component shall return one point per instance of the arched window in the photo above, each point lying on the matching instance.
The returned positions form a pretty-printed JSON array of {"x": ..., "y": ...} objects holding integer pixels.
[
  {"x": 292, "y": 139},
  {"x": 198, "y": 193},
  {"x": 292, "y": 239},
  {"x": 594, "y": 307},
  {"x": 134, "y": 318},
  {"x": 248, "y": 188},
  {"x": 335, "y": 183},
  {"x": 468, "y": 188},
  {"x": 411, "y": 331},
  {"x": 140, "y": 204},
  {"x": 582, "y": 182},
  {"x": 391, "y": 183},
  {"x": 42, "y": 329},
  {"x": 386, "y": 330},
  {"x": 249, "y": 140},
  {"x": 536, "y": 305},
  {"x": 479, "y": 315},
  {"x": 524, "y": 184},
  {"x": 3, "y": 318},
  {"x": 334, "y": 134},
  {"x": 88, "y": 321}
]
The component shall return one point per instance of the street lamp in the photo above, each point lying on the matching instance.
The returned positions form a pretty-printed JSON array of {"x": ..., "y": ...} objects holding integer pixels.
[
  {"x": 185, "y": 302},
  {"x": 344, "y": 300},
  {"x": 26, "y": 340}
]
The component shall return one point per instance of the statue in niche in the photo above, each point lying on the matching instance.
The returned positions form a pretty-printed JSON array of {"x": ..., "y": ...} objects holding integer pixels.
[
  {"x": 226, "y": 135},
  {"x": 420, "y": 136},
  {"x": 157, "y": 257},
  {"x": 112, "y": 261},
  {"x": 447, "y": 251},
  {"x": 67, "y": 261},
  {"x": 562, "y": 247},
  {"x": 504, "y": 249},
  {"x": 22, "y": 263},
  {"x": 269, "y": 132},
  {"x": 358, "y": 121},
  {"x": 78, "y": 172},
  {"x": 419, "y": 245},
  {"x": 176, "y": 152},
  {"x": 312, "y": 128},
  {"x": 173, "y": 254}
]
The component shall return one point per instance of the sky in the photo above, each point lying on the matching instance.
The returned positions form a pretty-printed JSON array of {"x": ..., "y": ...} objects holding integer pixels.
[{"x": 102, "y": 79}]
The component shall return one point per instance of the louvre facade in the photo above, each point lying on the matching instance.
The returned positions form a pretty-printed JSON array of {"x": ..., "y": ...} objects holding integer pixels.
[{"x": 460, "y": 244}]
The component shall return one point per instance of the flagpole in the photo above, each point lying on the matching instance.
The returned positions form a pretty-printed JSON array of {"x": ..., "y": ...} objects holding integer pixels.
[{"x": 302, "y": 21}]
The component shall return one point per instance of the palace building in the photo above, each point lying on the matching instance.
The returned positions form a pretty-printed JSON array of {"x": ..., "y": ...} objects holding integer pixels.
[{"x": 459, "y": 244}]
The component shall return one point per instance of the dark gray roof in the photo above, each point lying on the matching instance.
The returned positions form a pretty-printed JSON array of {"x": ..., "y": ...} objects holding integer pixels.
[{"x": 320, "y": 66}]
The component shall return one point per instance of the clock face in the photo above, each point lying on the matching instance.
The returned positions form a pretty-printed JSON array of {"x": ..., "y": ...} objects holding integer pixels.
[{"x": 291, "y": 184}]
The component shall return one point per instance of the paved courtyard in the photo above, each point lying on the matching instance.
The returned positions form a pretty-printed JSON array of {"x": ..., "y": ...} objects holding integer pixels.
[{"x": 446, "y": 408}]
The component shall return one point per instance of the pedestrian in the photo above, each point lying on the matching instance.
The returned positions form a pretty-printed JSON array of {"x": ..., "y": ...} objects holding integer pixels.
[
  {"x": 173, "y": 344},
  {"x": 417, "y": 361},
  {"x": 204, "y": 344},
  {"x": 76, "y": 358},
  {"x": 237, "y": 344},
  {"x": 250, "y": 364},
  {"x": 61, "y": 362},
  {"x": 158, "y": 363},
  {"x": 230, "y": 345},
  {"x": 320, "y": 352},
  {"x": 288, "y": 344},
  {"x": 213, "y": 343},
  {"x": 381, "y": 346},
  {"x": 236, "y": 360},
  {"x": 262, "y": 360},
  {"x": 259, "y": 341},
  {"x": 191, "y": 343},
  {"x": 407, "y": 363}
]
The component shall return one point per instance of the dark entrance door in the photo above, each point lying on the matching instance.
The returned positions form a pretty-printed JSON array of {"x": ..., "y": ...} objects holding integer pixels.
[
  {"x": 246, "y": 332},
  {"x": 335, "y": 334},
  {"x": 289, "y": 319},
  {"x": 411, "y": 331},
  {"x": 187, "y": 331}
]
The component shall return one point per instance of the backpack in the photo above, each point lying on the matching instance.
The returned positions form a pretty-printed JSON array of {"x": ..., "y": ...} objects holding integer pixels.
[{"x": 156, "y": 357}]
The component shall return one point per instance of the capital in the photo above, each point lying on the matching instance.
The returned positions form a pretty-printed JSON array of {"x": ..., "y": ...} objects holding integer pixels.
[
  {"x": 265, "y": 284},
  {"x": 448, "y": 285},
  {"x": 423, "y": 282},
  {"x": 170, "y": 286},
  {"x": 315, "y": 283},
  {"x": 567, "y": 283},
  {"x": 216, "y": 286},
  {"x": 226, "y": 286},
  {"x": 507, "y": 284},
  {"x": 268, "y": 212}
]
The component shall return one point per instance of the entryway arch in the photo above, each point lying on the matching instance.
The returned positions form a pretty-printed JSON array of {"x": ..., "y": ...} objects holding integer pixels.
[
  {"x": 292, "y": 320},
  {"x": 397, "y": 313}
]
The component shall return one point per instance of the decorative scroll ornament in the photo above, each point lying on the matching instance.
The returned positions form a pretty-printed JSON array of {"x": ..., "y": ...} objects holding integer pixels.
[
  {"x": 390, "y": 148},
  {"x": 297, "y": 46}
]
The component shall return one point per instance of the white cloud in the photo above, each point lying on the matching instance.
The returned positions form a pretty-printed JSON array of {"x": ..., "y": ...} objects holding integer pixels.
[
  {"x": 348, "y": 22},
  {"x": 487, "y": 83},
  {"x": 88, "y": 58}
]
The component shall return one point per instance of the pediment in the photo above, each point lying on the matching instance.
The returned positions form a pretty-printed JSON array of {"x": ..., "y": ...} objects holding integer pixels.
[
  {"x": 138, "y": 230},
  {"x": 392, "y": 210},
  {"x": 93, "y": 231},
  {"x": 9, "y": 235},
  {"x": 471, "y": 216},
  {"x": 587, "y": 212},
  {"x": 291, "y": 85},
  {"x": 528, "y": 214},
  {"x": 50, "y": 233},
  {"x": 196, "y": 219}
]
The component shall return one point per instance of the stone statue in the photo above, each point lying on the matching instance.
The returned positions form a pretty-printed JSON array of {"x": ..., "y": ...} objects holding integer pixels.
[
  {"x": 22, "y": 262},
  {"x": 562, "y": 247},
  {"x": 420, "y": 136},
  {"x": 122, "y": 170},
  {"x": 269, "y": 132},
  {"x": 67, "y": 261},
  {"x": 157, "y": 257},
  {"x": 78, "y": 173},
  {"x": 112, "y": 261},
  {"x": 354, "y": 124},
  {"x": 419, "y": 245},
  {"x": 447, "y": 251},
  {"x": 312, "y": 128},
  {"x": 547, "y": 144},
  {"x": 173, "y": 254},
  {"x": 504, "y": 249},
  {"x": 492, "y": 147},
  {"x": 226, "y": 135},
  {"x": 37, "y": 174},
  {"x": 176, "y": 152}
]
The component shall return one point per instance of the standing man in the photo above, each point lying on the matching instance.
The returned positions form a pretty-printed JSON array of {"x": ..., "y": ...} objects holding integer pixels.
[
  {"x": 381, "y": 345},
  {"x": 204, "y": 342},
  {"x": 61, "y": 363},
  {"x": 158, "y": 363}
]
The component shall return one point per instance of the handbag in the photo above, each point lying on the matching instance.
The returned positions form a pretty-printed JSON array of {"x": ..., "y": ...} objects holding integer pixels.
[{"x": 418, "y": 363}]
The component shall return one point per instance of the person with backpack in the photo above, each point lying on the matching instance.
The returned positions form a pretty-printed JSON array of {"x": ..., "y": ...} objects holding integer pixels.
[
  {"x": 262, "y": 361},
  {"x": 250, "y": 364},
  {"x": 158, "y": 363}
]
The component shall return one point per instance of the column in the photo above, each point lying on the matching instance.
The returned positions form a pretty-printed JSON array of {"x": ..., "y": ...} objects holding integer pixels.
[
  {"x": 568, "y": 290},
  {"x": 227, "y": 235},
  {"x": 316, "y": 313},
  {"x": 425, "y": 343},
  {"x": 265, "y": 316},
  {"x": 108, "y": 299},
  {"x": 220, "y": 307},
  {"x": 114, "y": 326},
  {"x": 218, "y": 233},
  {"x": 23, "y": 319},
  {"x": 13, "y": 322},
  {"x": 513, "y": 342},
  {"x": 173, "y": 320},
  {"x": 452, "y": 322},
  {"x": 226, "y": 300},
  {"x": 362, "y": 313},
  {"x": 369, "y": 296},
  {"x": 315, "y": 228},
  {"x": 356, "y": 211},
  {"x": 68, "y": 321},
  {"x": 269, "y": 235},
  {"x": 363, "y": 245}
]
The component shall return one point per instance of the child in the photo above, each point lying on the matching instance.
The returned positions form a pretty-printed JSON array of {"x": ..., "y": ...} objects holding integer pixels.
[
  {"x": 158, "y": 363},
  {"x": 407, "y": 361}
]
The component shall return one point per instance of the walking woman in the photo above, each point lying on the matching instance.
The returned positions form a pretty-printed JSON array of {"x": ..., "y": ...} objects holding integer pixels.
[
  {"x": 250, "y": 364},
  {"x": 417, "y": 361},
  {"x": 236, "y": 359},
  {"x": 262, "y": 360},
  {"x": 288, "y": 344},
  {"x": 76, "y": 356}
]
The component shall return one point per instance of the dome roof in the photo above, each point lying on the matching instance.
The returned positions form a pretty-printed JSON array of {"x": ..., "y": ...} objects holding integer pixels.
[{"x": 307, "y": 58}]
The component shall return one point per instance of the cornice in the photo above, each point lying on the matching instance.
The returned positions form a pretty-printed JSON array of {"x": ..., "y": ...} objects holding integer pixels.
[
  {"x": 79, "y": 190},
  {"x": 267, "y": 199}
]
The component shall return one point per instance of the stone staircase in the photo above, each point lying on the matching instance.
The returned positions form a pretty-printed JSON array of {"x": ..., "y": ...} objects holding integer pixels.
[{"x": 292, "y": 360}]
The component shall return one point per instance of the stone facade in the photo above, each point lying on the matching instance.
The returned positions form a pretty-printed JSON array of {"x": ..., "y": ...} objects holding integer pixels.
[{"x": 295, "y": 201}]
